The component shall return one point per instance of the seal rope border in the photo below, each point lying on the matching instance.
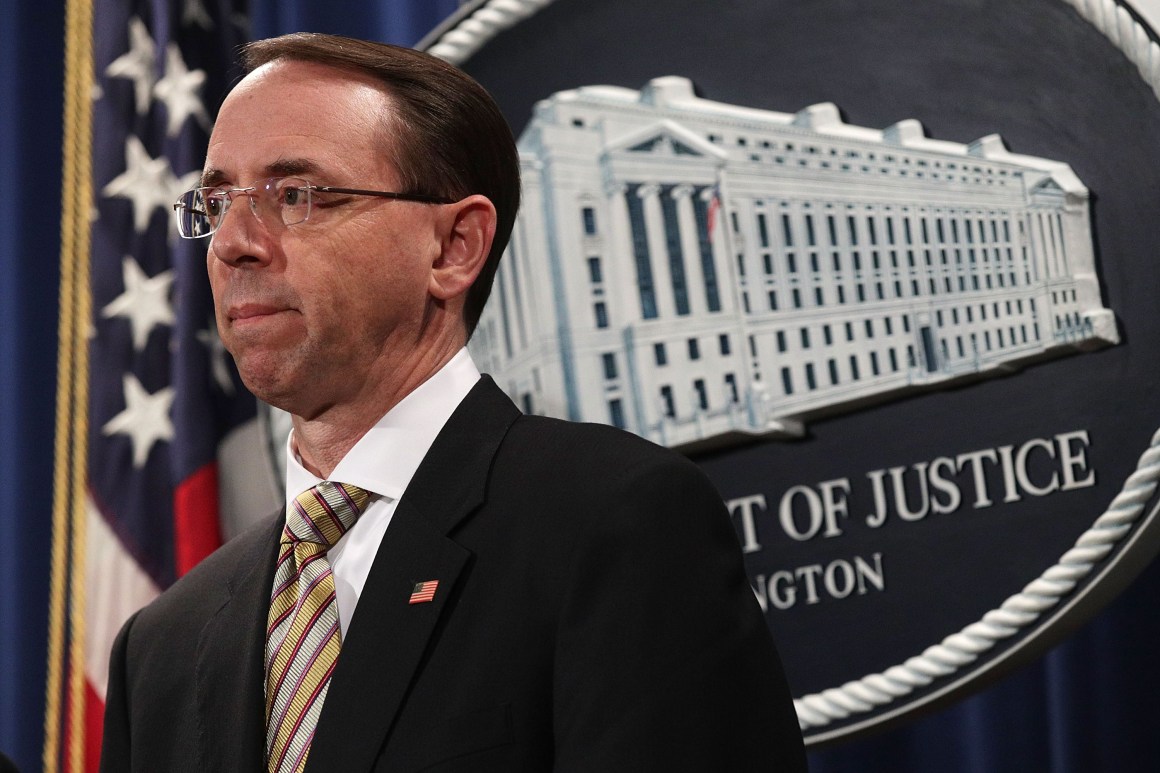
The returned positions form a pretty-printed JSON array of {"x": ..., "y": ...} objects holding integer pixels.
[{"x": 466, "y": 34}]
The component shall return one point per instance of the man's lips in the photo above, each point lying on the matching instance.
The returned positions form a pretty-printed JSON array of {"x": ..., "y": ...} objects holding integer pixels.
[{"x": 253, "y": 312}]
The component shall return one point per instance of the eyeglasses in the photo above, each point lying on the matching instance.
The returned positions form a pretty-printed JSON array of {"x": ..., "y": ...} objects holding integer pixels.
[{"x": 285, "y": 200}]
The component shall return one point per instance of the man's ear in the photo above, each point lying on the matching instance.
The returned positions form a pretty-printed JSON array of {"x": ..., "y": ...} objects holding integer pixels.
[{"x": 468, "y": 228}]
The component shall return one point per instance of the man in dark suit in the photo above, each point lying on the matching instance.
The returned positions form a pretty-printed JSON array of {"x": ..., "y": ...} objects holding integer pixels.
[{"x": 495, "y": 592}]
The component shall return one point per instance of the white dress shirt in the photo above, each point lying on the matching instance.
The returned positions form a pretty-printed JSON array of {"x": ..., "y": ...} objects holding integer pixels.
[{"x": 383, "y": 462}]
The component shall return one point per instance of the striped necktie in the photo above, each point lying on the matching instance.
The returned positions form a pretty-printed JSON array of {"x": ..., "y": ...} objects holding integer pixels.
[{"x": 302, "y": 634}]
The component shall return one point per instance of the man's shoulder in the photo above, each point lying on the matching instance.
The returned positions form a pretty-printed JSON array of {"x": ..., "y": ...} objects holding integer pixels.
[
  {"x": 564, "y": 456},
  {"x": 212, "y": 579},
  {"x": 600, "y": 443}
]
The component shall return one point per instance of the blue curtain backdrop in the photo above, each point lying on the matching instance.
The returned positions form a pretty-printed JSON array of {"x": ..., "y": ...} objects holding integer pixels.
[
  {"x": 31, "y": 72},
  {"x": 1091, "y": 704}
]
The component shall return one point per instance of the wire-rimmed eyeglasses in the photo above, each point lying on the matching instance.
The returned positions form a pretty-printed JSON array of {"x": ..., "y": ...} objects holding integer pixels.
[{"x": 285, "y": 200}]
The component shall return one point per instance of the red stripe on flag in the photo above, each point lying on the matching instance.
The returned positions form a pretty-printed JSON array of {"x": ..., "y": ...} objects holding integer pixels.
[
  {"x": 196, "y": 530},
  {"x": 94, "y": 727},
  {"x": 92, "y": 723}
]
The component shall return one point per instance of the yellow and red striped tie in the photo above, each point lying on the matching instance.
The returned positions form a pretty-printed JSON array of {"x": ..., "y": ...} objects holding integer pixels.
[{"x": 302, "y": 635}]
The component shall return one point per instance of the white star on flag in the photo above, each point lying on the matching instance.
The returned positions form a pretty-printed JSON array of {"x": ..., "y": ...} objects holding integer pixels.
[
  {"x": 145, "y": 418},
  {"x": 137, "y": 63},
  {"x": 148, "y": 182},
  {"x": 194, "y": 13},
  {"x": 180, "y": 90},
  {"x": 218, "y": 355},
  {"x": 144, "y": 301}
]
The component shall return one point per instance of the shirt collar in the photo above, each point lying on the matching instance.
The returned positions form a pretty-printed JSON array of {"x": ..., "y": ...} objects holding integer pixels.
[{"x": 384, "y": 460}]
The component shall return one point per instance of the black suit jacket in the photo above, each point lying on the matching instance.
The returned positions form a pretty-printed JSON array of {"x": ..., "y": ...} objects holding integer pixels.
[{"x": 592, "y": 615}]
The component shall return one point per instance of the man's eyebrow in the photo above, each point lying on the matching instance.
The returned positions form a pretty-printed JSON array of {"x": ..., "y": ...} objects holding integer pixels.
[
  {"x": 284, "y": 167},
  {"x": 211, "y": 178},
  {"x": 292, "y": 167}
]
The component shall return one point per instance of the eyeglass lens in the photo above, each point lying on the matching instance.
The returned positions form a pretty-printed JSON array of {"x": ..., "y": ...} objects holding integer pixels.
[{"x": 200, "y": 212}]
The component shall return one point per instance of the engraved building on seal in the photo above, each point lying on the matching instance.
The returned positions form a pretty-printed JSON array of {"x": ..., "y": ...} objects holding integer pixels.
[{"x": 692, "y": 270}]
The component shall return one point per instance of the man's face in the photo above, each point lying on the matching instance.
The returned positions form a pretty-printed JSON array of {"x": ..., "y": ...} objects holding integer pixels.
[{"x": 316, "y": 313}]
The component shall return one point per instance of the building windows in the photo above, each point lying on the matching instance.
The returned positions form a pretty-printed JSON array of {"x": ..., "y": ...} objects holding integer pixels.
[
  {"x": 595, "y": 274},
  {"x": 708, "y": 267},
  {"x": 863, "y": 243},
  {"x": 640, "y": 250},
  {"x": 588, "y": 214},
  {"x": 702, "y": 394},
  {"x": 609, "y": 361},
  {"x": 675, "y": 250},
  {"x": 667, "y": 404},
  {"x": 731, "y": 388},
  {"x": 616, "y": 413},
  {"x": 601, "y": 312}
]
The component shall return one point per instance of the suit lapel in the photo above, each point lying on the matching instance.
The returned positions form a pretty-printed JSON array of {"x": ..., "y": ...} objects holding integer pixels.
[
  {"x": 230, "y": 661},
  {"x": 388, "y": 635}
]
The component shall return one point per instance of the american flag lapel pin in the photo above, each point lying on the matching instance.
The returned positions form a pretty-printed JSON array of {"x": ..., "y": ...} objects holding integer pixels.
[{"x": 423, "y": 591}]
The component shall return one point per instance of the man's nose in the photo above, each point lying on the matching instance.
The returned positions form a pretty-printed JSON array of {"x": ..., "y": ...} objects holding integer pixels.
[{"x": 242, "y": 238}]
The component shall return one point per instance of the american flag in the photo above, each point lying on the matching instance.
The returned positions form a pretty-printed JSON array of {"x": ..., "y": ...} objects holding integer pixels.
[
  {"x": 164, "y": 403},
  {"x": 714, "y": 210},
  {"x": 423, "y": 591}
]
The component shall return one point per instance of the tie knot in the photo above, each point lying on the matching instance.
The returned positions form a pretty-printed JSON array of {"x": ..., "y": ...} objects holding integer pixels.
[{"x": 324, "y": 513}]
